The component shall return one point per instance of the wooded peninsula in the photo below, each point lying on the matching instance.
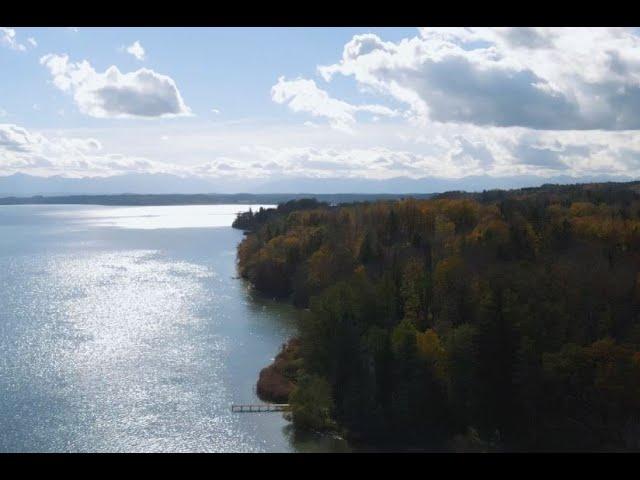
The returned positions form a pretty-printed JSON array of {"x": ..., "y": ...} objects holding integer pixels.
[{"x": 496, "y": 321}]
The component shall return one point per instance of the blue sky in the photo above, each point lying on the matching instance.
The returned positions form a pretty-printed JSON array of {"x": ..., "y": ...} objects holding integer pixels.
[
  {"x": 229, "y": 69},
  {"x": 287, "y": 103}
]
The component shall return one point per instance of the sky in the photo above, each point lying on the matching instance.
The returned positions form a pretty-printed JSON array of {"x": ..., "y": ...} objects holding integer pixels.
[{"x": 283, "y": 104}]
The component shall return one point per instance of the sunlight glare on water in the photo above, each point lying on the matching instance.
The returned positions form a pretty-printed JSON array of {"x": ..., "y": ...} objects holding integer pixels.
[
  {"x": 115, "y": 338},
  {"x": 180, "y": 216}
]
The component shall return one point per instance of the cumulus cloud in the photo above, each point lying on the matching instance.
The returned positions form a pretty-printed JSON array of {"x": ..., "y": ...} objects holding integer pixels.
[
  {"x": 540, "y": 78},
  {"x": 375, "y": 163},
  {"x": 457, "y": 151},
  {"x": 378, "y": 152},
  {"x": 302, "y": 95},
  {"x": 474, "y": 151},
  {"x": 448, "y": 154},
  {"x": 9, "y": 39},
  {"x": 323, "y": 163},
  {"x": 25, "y": 151},
  {"x": 14, "y": 138},
  {"x": 137, "y": 50},
  {"x": 112, "y": 94},
  {"x": 546, "y": 158}
]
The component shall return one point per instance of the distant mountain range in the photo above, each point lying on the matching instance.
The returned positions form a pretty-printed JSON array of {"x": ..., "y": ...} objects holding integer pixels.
[{"x": 23, "y": 185}]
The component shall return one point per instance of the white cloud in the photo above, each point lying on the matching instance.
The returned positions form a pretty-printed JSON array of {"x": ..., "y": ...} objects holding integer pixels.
[
  {"x": 542, "y": 78},
  {"x": 302, "y": 95},
  {"x": 8, "y": 39},
  {"x": 29, "y": 152},
  {"x": 495, "y": 102},
  {"x": 455, "y": 154},
  {"x": 32, "y": 42},
  {"x": 216, "y": 111},
  {"x": 112, "y": 94},
  {"x": 136, "y": 50},
  {"x": 371, "y": 163},
  {"x": 249, "y": 151}
]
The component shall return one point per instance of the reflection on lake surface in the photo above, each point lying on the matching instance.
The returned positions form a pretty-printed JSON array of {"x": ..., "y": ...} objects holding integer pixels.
[
  {"x": 180, "y": 216},
  {"x": 126, "y": 329}
]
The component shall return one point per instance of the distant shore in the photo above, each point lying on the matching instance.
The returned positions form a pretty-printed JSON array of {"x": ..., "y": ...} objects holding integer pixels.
[{"x": 200, "y": 199}]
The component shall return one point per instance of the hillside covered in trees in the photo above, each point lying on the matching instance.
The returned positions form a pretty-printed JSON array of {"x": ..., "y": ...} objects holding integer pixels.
[{"x": 506, "y": 320}]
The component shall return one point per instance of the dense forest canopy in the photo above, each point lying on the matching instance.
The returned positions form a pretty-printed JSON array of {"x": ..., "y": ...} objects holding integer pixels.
[{"x": 499, "y": 320}]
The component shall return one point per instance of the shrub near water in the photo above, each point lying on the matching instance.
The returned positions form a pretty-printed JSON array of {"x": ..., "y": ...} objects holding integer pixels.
[{"x": 276, "y": 381}]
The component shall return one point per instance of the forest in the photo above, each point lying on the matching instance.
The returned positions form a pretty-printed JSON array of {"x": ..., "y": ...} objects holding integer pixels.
[{"x": 494, "y": 321}]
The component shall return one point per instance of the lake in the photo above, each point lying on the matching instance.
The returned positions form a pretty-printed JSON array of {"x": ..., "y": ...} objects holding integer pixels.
[{"x": 126, "y": 329}]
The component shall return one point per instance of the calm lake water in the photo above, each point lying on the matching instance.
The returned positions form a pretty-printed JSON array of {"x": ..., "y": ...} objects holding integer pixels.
[{"x": 127, "y": 329}]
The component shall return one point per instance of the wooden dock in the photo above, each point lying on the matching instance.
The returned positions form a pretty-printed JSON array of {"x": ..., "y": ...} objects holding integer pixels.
[{"x": 260, "y": 407}]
